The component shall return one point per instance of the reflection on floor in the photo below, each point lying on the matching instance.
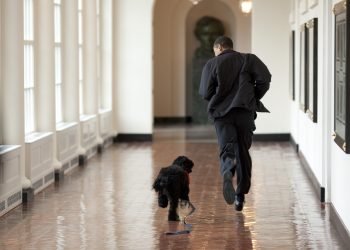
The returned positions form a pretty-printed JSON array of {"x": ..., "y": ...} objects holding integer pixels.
[{"x": 109, "y": 204}]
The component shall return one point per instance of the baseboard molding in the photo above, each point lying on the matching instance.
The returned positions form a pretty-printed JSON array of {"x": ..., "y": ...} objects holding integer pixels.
[
  {"x": 133, "y": 138},
  {"x": 27, "y": 195},
  {"x": 295, "y": 145},
  {"x": 271, "y": 137},
  {"x": 320, "y": 191},
  {"x": 172, "y": 120},
  {"x": 82, "y": 159},
  {"x": 59, "y": 175},
  {"x": 339, "y": 225}
]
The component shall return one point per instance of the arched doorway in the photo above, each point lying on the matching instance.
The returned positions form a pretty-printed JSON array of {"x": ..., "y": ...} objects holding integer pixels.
[{"x": 174, "y": 44}]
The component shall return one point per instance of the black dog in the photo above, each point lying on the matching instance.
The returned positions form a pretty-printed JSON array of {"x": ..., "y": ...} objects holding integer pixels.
[{"x": 172, "y": 184}]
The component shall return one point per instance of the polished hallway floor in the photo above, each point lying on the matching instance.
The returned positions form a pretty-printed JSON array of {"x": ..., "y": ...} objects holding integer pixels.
[{"x": 109, "y": 203}]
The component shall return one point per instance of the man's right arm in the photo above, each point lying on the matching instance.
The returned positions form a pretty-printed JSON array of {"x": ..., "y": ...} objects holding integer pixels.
[
  {"x": 208, "y": 84},
  {"x": 261, "y": 76}
]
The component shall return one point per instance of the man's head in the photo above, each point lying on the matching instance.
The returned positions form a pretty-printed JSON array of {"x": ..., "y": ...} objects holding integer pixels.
[{"x": 222, "y": 43}]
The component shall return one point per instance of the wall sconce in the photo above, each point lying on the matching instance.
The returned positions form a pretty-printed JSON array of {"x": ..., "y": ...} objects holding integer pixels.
[
  {"x": 246, "y": 6},
  {"x": 195, "y": 2}
]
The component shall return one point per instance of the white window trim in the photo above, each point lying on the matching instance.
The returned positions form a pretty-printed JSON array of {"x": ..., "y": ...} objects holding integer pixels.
[
  {"x": 58, "y": 44},
  {"x": 81, "y": 54},
  {"x": 30, "y": 41}
]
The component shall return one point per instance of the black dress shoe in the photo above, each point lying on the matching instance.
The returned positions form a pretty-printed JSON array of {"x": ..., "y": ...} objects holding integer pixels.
[
  {"x": 228, "y": 190},
  {"x": 239, "y": 202}
]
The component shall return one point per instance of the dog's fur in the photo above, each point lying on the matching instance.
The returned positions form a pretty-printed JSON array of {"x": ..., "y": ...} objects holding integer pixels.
[{"x": 172, "y": 184}]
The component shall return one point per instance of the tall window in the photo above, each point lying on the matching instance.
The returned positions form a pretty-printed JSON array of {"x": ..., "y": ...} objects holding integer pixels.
[
  {"x": 29, "y": 78},
  {"x": 98, "y": 51},
  {"x": 104, "y": 25},
  {"x": 80, "y": 45},
  {"x": 58, "y": 60}
]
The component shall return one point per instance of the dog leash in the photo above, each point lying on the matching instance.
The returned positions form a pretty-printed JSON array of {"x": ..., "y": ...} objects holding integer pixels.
[
  {"x": 178, "y": 232},
  {"x": 187, "y": 230}
]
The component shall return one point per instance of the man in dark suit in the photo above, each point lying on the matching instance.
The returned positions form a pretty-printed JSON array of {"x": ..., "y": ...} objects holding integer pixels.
[{"x": 233, "y": 83}]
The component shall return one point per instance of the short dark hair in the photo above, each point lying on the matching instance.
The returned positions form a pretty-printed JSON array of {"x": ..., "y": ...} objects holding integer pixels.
[{"x": 224, "y": 42}]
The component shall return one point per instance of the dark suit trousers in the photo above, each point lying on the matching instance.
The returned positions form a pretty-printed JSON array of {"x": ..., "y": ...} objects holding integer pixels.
[{"x": 234, "y": 132}]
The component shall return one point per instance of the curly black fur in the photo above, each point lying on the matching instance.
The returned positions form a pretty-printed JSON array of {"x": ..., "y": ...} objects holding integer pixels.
[
  {"x": 172, "y": 184},
  {"x": 184, "y": 162}
]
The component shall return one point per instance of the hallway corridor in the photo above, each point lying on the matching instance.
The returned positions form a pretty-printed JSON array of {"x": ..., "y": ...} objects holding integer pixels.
[{"x": 109, "y": 203}]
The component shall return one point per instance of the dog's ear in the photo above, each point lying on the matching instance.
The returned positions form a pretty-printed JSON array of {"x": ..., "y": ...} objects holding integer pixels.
[
  {"x": 160, "y": 183},
  {"x": 157, "y": 182},
  {"x": 184, "y": 162},
  {"x": 156, "y": 185}
]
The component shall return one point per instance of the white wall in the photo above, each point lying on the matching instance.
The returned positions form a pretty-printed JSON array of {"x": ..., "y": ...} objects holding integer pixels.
[
  {"x": 12, "y": 117},
  {"x": 328, "y": 162},
  {"x": 133, "y": 66},
  {"x": 339, "y": 161},
  {"x": 1, "y": 90},
  {"x": 307, "y": 134},
  {"x": 340, "y": 183},
  {"x": 270, "y": 42},
  {"x": 169, "y": 52}
]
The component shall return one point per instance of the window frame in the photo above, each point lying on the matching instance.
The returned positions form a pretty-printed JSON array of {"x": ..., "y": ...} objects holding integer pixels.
[
  {"x": 342, "y": 139},
  {"x": 58, "y": 45},
  {"x": 311, "y": 80},
  {"x": 29, "y": 68},
  {"x": 81, "y": 55},
  {"x": 303, "y": 71}
]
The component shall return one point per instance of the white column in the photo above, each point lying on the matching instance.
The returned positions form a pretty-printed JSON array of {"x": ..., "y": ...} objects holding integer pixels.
[
  {"x": 133, "y": 66},
  {"x": 45, "y": 76},
  {"x": 326, "y": 105},
  {"x": 90, "y": 90},
  {"x": 1, "y": 89},
  {"x": 12, "y": 77},
  {"x": 90, "y": 57},
  {"x": 114, "y": 68},
  {"x": 106, "y": 52},
  {"x": 70, "y": 80},
  {"x": 106, "y": 61},
  {"x": 70, "y": 65}
]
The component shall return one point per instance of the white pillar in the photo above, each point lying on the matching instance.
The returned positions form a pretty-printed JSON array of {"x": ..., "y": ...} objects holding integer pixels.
[
  {"x": 44, "y": 34},
  {"x": 70, "y": 65},
  {"x": 12, "y": 77},
  {"x": 327, "y": 77},
  {"x": 115, "y": 67},
  {"x": 70, "y": 80},
  {"x": 133, "y": 65},
  {"x": 90, "y": 57},
  {"x": 1, "y": 88},
  {"x": 90, "y": 90},
  {"x": 45, "y": 78},
  {"x": 106, "y": 52}
]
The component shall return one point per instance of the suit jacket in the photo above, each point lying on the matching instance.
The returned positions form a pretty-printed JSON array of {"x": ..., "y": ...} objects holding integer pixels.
[{"x": 234, "y": 80}]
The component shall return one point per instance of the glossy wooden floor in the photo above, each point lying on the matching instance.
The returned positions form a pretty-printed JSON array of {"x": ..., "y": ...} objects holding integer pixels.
[{"x": 109, "y": 204}]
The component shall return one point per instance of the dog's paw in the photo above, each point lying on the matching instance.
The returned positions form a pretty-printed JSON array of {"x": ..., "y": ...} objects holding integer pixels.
[
  {"x": 173, "y": 217},
  {"x": 162, "y": 201}
]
